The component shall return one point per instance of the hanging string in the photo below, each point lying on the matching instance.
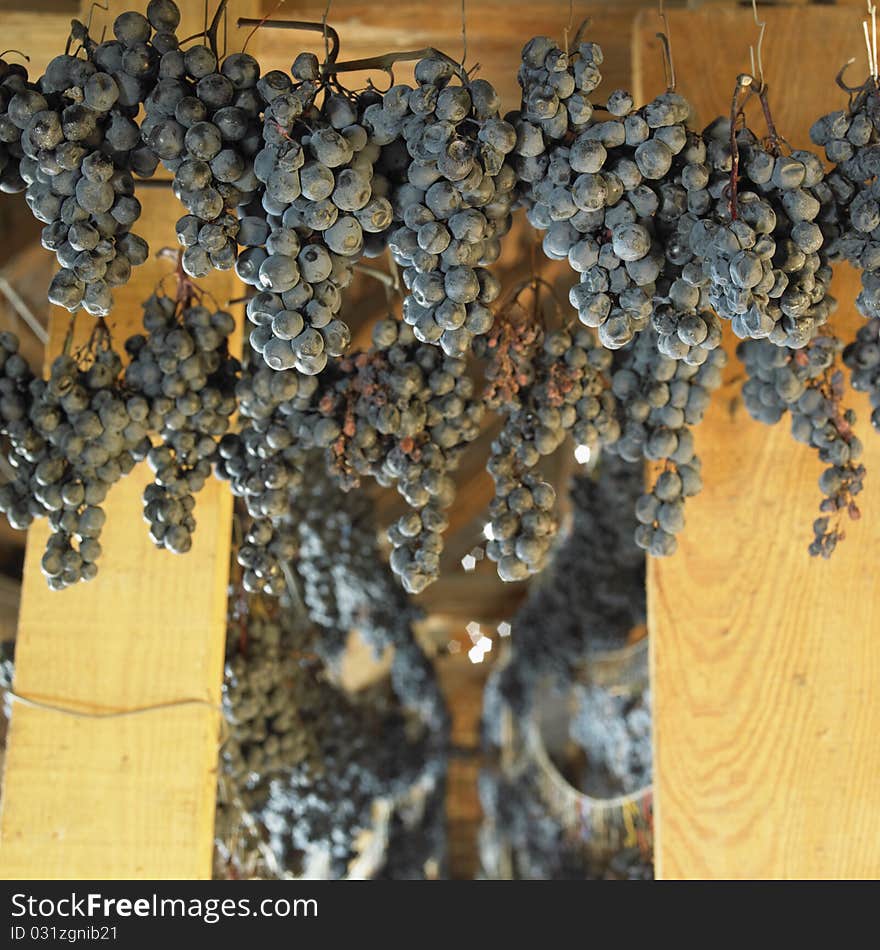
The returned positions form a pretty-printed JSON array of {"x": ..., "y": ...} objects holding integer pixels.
[
  {"x": 324, "y": 28},
  {"x": 567, "y": 30},
  {"x": 666, "y": 39},
  {"x": 762, "y": 25},
  {"x": 463, "y": 32},
  {"x": 267, "y": 16},
  {"x": 871, "y": 39},
  {"x": 117, "y": 714}
]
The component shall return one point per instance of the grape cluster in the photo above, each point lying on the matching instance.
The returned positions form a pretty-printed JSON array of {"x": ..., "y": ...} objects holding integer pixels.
[
  {"x": 365, "y": 749},
  {"x": 316, "y": 165},
  {"x": 303, "y": 759},
  {"x": 271, "y": 692},
  {"x": 805, "y": 384},
  {"x": 347, "y": 583},
  {"x": 455, "y": 202},
  {"x": 183, "y": 368},
  {"x": 592, "y": 593},
  {"x": 80, "y": 148},
  {"x": 850, "y": 138},
  {"x": 327, "y": 803},
  {"x": 21, "y": 446},
  {"x": 70, "y": 438},
  {"x": 13, "y": 79},
  {"x": 265, "y": 465},
  {"x": 862, "y": 357},
  {"x": 202, "y": 121},
  {"x": 659, "y": 401},
  {"x": 614, "y": 731},
  {"x": 545, "y": 385},
  {"x": 400, "y": 413},
  {"x": 687, "y": 329},
  {"x": 595, "y": 187},
  {"x": 764, "y": 246},
  {"x": 666, "y": 225}
]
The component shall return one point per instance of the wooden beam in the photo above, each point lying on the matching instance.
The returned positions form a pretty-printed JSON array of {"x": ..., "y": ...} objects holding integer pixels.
[
  {"x": 129, "y": 797},
  {"x": 766, "y": 663}
]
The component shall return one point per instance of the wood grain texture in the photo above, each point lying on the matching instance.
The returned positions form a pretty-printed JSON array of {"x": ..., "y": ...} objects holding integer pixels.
[
  {"x": 125, "y": 797},
  {"x": 766, "y": 664}
]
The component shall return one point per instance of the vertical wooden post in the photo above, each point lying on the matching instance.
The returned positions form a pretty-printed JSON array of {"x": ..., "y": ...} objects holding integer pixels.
[
  {"x": 129, "y": 797},
  {"x": 766, "y": 663}
]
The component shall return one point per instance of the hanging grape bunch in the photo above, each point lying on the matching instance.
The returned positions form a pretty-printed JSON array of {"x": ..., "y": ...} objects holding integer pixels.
[
  {"x": 455, "y": 204},
  {"x": 545, "y": 382},
  {"x": 13, "y": 80},
  {"x": 80, "y": 148},
  {"x": 69, "y": 439},
  {"x": 266, "y": 465},
  {"x": 805, "y": 384},
  {"x": 595, "y": 186},
  {"x": 764, "y": 243},
  {"x": 202, "y": 121},
  {"x": 182, "y": 367},
  {"x": 316, "y": 164},
  {"x": 659, "y": 401},
  {"x": 400, "y": 413},
  {"x": 850, "y": 140}
]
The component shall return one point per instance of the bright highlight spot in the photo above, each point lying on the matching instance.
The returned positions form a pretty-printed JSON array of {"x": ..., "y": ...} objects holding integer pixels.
[
  {"x": 469, "y": 562},
  {"x": 504, "y": 629},
  {"x": 487, "y": 531},
  {"x": 582, "y": 454}
]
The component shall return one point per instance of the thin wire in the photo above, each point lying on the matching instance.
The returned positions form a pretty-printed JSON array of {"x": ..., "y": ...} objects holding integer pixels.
[
  {"x": 324, "y": 27},
  {"x": 874, "y": 36},
  {"x": 763, "y": 25},
  {"x": 463, "y": 32},
  {"x": 871, "y": 39},
  {"x": 666, "y": 39},
  {"x": 567, "y": 29},
  {"x": 96, "y": 5},
  {"x": 250, "y": 35},
  {"x": 118, "y": 714}
]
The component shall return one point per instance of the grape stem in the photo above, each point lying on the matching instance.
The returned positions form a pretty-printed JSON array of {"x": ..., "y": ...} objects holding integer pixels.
[
  {"x": 388, "y": 60},
  {"x": 775, "y": 140},
  {"x": 304, "y": 25},
  {"x": 68, "y": 337},
  {"x": 210, "y": 33},
  {"x": 743, "y": 81}
]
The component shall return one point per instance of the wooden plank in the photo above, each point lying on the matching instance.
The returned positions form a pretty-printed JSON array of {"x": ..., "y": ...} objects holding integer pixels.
[
  {"x": 766, "y": 664},
  {"x": 125, "y": 797}
]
